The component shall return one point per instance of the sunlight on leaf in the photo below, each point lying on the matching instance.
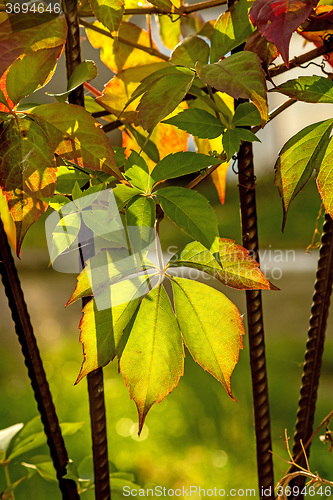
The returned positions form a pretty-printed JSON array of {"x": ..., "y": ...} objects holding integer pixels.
[
  {"x": 325, "y": 179},
  {"x": 298, "y": 158},
  {"x": 153, "y": 357},
  {"x": 211, "y": 326},
  {"x": 108, "y": 12}
]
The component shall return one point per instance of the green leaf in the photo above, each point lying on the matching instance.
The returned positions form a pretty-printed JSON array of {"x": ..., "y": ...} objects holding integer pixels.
[
  {"x": 162, "y": 4},
  {"x": 105, "y": 269},
  {"x": 108, "y": 12},
  {"x": 152, "y": 360},
  {"x": 137, "y": 173},
  {"x": 308, "y": 89},
  {"x": 197, "y": 122},
  {"x": 191, "y": 212},
  {"x": 32, "y": 436},
  {"x": 298, "y": 158},
  {"x": 102, "y": 328},
  {"x": 31, "y": 72},
  {"x": 163, "y": 96},
  {"x": 211, "y": 326},
  {"x": 140, "y": 219},
  {"x": 6, "y": 435},
  {"x": 123, "y": 194},
  {"x": 232, "y": 28},
  {"x": 43, "y": 465},
  {"x": 239, "y": 75},
  {"x": 67, "y": 176},
  {"x": 65, "y": 233},
  {"x": 237, "y": 269},
  {"x": 27, "y": 172},
  {"x": 246, "y": 115},
  {"x": 76, "y": 136},
  {"x": 84, "y": 72},
  {"x": 181, "y": 163},
  {"x": 147, "y": 145},
  {"x": 233, "y": 137},
  {"x": 3, "y": 101},
  {"x": 325, "y": 179},
  {"x": 189, "y": 51}
]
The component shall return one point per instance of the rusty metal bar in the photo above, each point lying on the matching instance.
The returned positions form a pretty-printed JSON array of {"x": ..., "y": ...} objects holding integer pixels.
[
  {"x": 314, "y": 348},
  {"x": 255, "y": 327},
  {"x": 35, "y": 367},
  {"x": 95, "y": 378}
]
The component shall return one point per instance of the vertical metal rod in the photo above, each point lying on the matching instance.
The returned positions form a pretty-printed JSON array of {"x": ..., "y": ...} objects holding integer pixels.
[
  {"x": 95, "y": 378},
  {"x": 314, "y": 347},
  {"x": 35, "y": 367},
  {"x": 255, "y": 326}
]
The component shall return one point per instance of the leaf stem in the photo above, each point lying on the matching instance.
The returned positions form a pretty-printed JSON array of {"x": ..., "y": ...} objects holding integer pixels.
[
  {"x": 138, "y": 46},
  {"x": 8, "y": 481},
  {"x": 183, "y": 9}
]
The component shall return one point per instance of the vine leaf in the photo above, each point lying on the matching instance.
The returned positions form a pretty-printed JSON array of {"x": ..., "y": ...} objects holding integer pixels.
[
  {"x": 211, "y": 326},
  {"x": 27, "y": 172},
  {"x": 137, "y": 172},
  {"x": 24, "y": 33},
  {"x": 278, "y": 19},
  {"x": 239, "y": 75},
  {"x": 191, "y": 212},
  {"x": 246, "y": 115},
  {"x": 178, "y": 164},
  {"x": 231, "y": 29},
  {"x": 163, "y": 96},
  {"x": 318, "y": 27},
  {"x": 189, "y": 51},
  {"x": 313, "y": 89},
  {"x": 102, "y": 330},
  {"x": 325, "y": 179},
  {"x": 76, "y": 136},
  {"x": 108, "y": 12},
  {"x": 237, "y": 269},
  {"x": 162, "y": 4},
  {"x": 153, "y": 357},
  {"x": 140, "y": 218},
  {"x": 233, "y": 137},
  {"x": 298, "y": 158},
  {"x": 117, "y": 55},
  {"x": 84, "y": 72},
  {"x": 264, "y": 49},
  {"x": 31, "y": 72},
  {"x": 197, "y": 122},
  {"x": 105, "y": 269}
]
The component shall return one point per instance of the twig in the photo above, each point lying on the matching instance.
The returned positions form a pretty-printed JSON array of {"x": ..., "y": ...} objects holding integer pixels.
[
  {"x": 183, "y": 9},
  {"x": 200, "y": 177},
  {"x": 275, "y": 113},
  {"x": 298, "y": 60},
  {"x": 149, "y": 50}
]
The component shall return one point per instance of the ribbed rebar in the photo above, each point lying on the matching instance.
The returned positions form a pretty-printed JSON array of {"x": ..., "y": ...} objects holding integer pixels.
[
  {"x": 314, "y": 347},
  {"x": 95, "y": 378},
  {"x": 35, "y": 367},
  {"x": 255, "y": 327}
]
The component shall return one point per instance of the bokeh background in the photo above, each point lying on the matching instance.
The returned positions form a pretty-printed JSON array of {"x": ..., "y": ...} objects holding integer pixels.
[{"x": 197, "y": 435}]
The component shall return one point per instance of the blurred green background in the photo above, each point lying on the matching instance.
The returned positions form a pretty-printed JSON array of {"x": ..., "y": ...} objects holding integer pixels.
[{"x": 197, "y": 435}]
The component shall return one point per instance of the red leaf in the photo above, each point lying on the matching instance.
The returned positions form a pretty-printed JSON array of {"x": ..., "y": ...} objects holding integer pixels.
[
  {"x": 278, "y": 19},
  {"x": 318, "y": 27}
]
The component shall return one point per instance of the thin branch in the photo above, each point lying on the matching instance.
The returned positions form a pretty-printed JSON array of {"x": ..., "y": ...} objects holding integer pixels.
[
  {"x": 184, "y": 9},
  {"x": 108, "y": 127},
  {"x": 200, "y": 177},
  {"x": 298, "y": 60},
  {"x": 149, "y": 50},
  {"x": 275, "y": 113}
]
